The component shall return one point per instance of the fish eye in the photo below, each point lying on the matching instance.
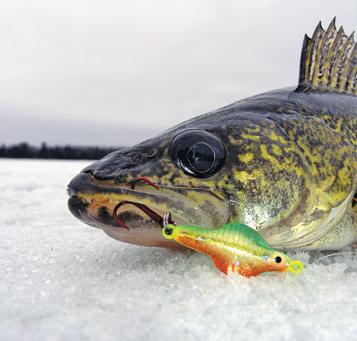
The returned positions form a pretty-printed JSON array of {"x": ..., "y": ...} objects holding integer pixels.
[
  {"x": 198, "y": 153},
  {"x": 278, "y": 259}
]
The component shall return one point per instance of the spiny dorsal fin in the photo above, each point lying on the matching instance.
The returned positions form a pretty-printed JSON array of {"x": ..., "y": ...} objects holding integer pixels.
[{"x": 329, "y": 61}]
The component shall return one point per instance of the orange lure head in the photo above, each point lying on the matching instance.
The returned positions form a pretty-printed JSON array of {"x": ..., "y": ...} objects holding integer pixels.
[{"x": 233, "y": 247}]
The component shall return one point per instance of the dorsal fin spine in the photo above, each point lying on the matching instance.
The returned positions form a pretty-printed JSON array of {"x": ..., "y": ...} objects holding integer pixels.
[
  {"x": 352, "y": 79},
  {"x": 345, "y": 64},
  {"x": 304, "y": 62},
  {"x": 326, "y": 56},
  {"x": 321, "y": 53},
  {"x": 316, "y": 46},
  {"x": 338, "y": 63},
  {"x": 334, "y": 54},
  {"x": 328, "y": 61}
]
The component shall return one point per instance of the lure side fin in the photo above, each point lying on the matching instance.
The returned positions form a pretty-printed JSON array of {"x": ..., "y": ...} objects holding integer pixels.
[
  {"x": 220, "y": 264},
  {"x": 329, "y": 61}
]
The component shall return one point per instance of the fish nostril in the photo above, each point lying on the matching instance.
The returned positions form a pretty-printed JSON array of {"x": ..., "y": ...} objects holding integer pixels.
[
  {"x": 137, "y": 158},
  {"x": 151, "y": 153},
  {"x": 94, "y": 173}
]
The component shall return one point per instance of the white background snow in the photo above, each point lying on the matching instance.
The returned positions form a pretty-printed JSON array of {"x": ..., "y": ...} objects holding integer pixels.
[{"x": 62, "y": 280}]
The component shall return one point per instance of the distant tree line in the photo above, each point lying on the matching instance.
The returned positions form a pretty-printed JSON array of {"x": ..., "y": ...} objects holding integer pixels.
[{"x": 25, "y": 150}]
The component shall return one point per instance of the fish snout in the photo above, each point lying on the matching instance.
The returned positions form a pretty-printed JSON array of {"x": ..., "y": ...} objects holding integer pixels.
[
  {"x": 76, "y": 205},
  {"x": 79, "y": 183},
  {"x": 123, "y": 163}
]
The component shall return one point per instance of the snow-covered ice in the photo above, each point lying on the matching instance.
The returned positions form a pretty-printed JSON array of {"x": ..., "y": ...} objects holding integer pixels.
[{"x": 63, "y": 280}]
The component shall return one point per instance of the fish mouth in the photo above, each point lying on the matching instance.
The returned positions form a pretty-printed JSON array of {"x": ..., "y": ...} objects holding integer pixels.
[
  {"x": 134, "y": 211},
  {"x": 160, "y": 220}
]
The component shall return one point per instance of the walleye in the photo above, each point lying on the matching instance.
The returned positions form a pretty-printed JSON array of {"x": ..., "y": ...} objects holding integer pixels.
[
  {"x": 282, "y": 162},
  {"x": 233, "y": 247}
]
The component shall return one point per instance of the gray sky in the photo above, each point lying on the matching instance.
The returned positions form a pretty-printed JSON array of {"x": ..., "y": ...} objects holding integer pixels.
[{"x": 119, "y": 71}]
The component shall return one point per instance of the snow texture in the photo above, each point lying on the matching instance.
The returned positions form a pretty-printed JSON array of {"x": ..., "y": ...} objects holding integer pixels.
[{"x": 63, "y": 280}]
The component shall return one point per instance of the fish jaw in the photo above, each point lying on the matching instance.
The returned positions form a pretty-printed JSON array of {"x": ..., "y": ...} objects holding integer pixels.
[{"x": 97, "y": 202}]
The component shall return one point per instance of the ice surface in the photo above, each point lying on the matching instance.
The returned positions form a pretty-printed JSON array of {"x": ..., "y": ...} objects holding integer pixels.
[{"x": 62, "y": 280}]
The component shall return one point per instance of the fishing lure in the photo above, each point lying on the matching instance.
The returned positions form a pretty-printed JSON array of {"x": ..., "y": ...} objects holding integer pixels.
[{"x": 233, "y": 247}]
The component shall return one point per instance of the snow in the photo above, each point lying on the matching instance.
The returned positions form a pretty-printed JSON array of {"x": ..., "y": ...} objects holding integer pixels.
[{"x": 61, "y": 280}]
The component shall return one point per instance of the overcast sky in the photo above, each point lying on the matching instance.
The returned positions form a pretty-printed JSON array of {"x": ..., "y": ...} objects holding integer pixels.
[{"x": 118, "y": 72}]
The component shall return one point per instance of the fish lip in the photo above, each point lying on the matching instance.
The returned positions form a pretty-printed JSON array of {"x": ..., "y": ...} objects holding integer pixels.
[{"x": 78, "y": 207}]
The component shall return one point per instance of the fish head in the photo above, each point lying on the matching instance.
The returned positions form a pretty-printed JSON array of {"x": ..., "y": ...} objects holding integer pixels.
[
  {"x": 237, "y": 164},
  {"x": 128, "y": 191}
]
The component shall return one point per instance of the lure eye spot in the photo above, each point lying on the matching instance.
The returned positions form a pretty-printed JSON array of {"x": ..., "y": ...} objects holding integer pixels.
[
  {"x": 168, "y": 231},
  {"x": 278, "y": 259}
]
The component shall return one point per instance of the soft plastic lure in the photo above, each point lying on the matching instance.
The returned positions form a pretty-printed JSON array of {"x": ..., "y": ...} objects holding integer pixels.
[{"x": 233, "y": 247}]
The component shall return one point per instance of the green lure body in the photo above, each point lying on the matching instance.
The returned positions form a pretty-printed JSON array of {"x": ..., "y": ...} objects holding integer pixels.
[{"x": 233, "y": 247}]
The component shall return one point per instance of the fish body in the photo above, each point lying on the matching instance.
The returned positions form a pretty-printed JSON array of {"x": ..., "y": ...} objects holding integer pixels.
[
  {"x": 233, "y": 247},
  {"x": 283, "y": 162}
]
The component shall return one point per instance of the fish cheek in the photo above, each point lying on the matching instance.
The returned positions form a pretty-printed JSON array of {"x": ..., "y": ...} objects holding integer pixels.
[{"x": 269, "y": 177}]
